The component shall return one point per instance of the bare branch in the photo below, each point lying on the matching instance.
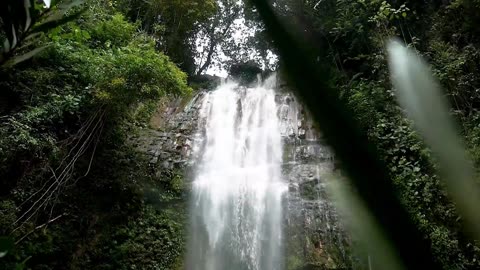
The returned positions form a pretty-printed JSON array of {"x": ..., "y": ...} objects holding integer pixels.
[
  {"x": 88, "y": 134},
  {"x": 39, "y": 227}
]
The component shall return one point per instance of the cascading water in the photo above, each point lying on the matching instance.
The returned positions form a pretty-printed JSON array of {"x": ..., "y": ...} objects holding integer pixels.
[{"x": 236, "y": 215}]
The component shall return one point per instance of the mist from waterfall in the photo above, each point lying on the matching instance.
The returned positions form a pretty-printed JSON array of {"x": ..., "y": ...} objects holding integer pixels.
[{"x": 236, "y": 215}]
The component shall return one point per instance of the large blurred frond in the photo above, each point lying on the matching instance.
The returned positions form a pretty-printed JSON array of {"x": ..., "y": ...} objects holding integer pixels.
[
  {"x": 22, "y": 19},
  {"x": 420, "y": 95}
]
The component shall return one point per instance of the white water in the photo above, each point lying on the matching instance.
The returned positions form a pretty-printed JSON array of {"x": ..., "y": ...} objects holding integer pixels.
[{"x": 236, "y": 210}]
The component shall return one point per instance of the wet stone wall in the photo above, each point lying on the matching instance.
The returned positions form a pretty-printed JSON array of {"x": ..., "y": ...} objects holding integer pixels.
[{"x": 313, "y": 236}]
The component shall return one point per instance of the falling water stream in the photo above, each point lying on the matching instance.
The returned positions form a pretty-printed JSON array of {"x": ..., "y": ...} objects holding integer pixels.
[{"x": 236, "y": 215}]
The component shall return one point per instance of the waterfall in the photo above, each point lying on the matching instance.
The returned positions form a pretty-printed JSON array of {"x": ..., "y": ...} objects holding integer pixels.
[{"x": 236, "y": 212}]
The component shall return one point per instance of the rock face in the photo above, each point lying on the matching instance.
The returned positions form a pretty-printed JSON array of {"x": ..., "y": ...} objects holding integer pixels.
[
  {"x": 314, "y": 238},
  {"x": 170, "y": 145}
]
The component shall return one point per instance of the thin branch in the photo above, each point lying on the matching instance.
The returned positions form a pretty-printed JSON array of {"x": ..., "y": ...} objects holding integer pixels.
[
  {"x": 39, "y": 227},
  {"x": 60, "y": 181},
  {"x": 79, "y": 135},
  {"x": 316, "y": 5}
]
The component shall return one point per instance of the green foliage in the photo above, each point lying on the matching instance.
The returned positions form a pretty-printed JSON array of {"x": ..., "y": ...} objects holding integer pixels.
[
  {"x": 77, "y": 77},
  {"x": 368, "y": 99},
  {"x": 143, "y": 113},
  {"x": 139, "y": 244},
  {"x": 125, "y": 229},
  {"x": 456, "y": 69},
  {"x": 173, "y": 23},
  {"x": 408, "y": 159},
  {"x": 386, "y": 13},
  {"x": 8, "y": 215},
  {"x": 294, "y": 262},
  {"x": 115, "y": 32},
  {"x": 99, "y": 68}
]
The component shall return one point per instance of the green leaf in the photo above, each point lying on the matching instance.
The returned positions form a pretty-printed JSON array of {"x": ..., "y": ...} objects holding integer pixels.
[
  {"x": 404, "y": 14},
  {"x": 22, "y": 265},
  {"x": 56, "y": 21},
  {"x": 417, "y": 87},
  {"x": 6, "y": 245},
  {"x": 24, "y": 57},
  {"x": 33, "y": 36}
]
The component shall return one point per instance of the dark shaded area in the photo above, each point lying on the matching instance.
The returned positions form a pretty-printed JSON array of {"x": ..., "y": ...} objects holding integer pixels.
[{"x": 245, "y": 73}]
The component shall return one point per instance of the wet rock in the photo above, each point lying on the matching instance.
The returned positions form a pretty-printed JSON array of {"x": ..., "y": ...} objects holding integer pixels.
[
  {"x": 302, "y": 133},
  {"x": 166, "y": 165},
  {"x": 311, "y": 219},
  {"x": 154, "y": 160},
  {"x": 313, "y": 222},
  {"x": 164, "y": 155}
]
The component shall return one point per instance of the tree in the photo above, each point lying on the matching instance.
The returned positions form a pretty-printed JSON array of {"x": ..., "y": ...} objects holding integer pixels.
[
  {"x": 173, "y": 23},
  {"x": 215, "y": 31},
  {"x": 235, "y": 34}
]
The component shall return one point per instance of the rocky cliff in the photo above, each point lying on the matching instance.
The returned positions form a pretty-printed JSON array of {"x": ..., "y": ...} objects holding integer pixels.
[{"x": 314, "y": 238}]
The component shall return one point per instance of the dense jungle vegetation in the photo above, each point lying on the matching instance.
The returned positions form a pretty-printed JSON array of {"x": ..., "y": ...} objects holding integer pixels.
[{"x": 81, "y": 78}]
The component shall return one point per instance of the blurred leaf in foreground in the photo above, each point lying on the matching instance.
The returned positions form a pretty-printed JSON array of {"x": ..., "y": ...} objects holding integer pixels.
[
  {"x": 362, "y": 226},
  {"x": 420, "y": 95},
  {"x": 6, "y": 245},
  {"x": 22, "y": 21}
]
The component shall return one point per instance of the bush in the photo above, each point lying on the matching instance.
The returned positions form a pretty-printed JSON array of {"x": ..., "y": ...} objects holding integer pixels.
[
  {"x": 100, "y": 68},
  {"x": 116, "y": 32}
]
